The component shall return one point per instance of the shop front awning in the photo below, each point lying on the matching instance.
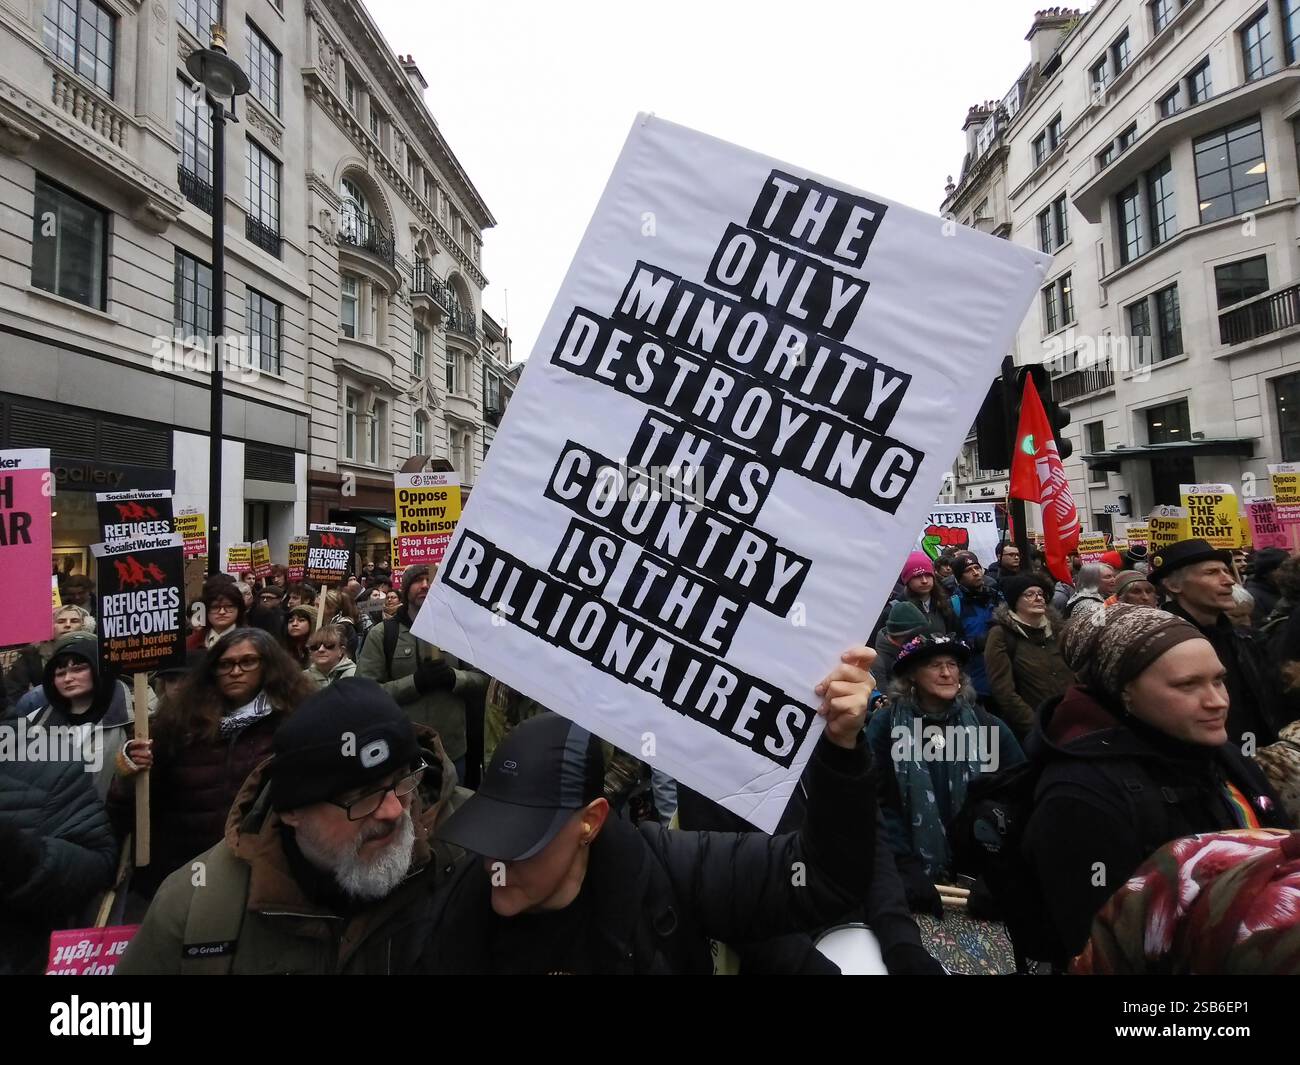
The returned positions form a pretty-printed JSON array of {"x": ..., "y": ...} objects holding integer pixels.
[
  {"x": 387, "y": 524},
  {"x": 1242, "y": 446}
]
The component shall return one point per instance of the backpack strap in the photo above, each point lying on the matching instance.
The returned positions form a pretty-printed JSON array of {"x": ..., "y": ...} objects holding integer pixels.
[
  {"x": 1152, "y": 809},
  {"x": 216, "y": 915},
  {"x": 390, "y": 642}
]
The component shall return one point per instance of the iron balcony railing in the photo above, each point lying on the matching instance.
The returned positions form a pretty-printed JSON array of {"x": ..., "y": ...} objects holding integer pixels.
[
  {"x": 262, "y": 235},
  {"x": 1081, "y": 382},
  {"x": 424, "y": 280},
  {"x": 195, "y": 189},
  {"x": 1264, "y": 314},
  {"x": 461, "y": 321},
  {"x": 366, "y": 232}
]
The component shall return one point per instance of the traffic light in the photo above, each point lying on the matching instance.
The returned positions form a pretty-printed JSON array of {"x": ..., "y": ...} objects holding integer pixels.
[
  {"x": 1057, "y": 416},
  {"x": 991, "y": 438}
]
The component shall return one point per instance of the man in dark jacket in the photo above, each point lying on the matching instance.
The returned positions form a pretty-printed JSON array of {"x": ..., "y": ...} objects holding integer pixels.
[
  {"x": 327, "y": 865},
  {"x": 553, "y": 885},
  {"x": 1137, "y": 755},
  {"x": 1198, "y": 581},
  {"x": 434, "y": 688},
  {"x": 1007, "y": 564},
  {"x": 56, "y": 853}
]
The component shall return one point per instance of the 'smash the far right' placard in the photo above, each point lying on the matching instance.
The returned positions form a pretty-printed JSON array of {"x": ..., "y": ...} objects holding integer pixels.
[{"x": 735, "y": 421}]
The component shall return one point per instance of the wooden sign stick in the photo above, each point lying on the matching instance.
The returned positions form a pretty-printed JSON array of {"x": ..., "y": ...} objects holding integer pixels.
[
  {"x": 142, "y": 778},
  {"x": 320, "y": 605}
]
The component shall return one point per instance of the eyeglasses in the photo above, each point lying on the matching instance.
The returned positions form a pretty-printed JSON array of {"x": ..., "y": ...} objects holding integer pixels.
[
  {"x": 244, "y": 664},
  {"x": 1036, "y": 593},
  {"x": 367, "y": 804},
  {"x": 941, "y": 665},
  {"x": 319, "y": 646},
  {"x": 221, "y": 608}
]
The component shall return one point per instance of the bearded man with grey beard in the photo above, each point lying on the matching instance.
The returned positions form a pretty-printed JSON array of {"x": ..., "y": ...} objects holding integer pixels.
[{"x": 327, "y": 865}]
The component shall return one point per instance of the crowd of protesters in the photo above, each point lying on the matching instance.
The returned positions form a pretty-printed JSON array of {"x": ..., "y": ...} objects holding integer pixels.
[{"x": 353, "y": 799}]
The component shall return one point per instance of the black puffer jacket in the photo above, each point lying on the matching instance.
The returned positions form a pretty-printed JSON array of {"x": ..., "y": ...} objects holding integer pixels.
[
  {"x": 653, "y": 897},
  {"x": 56, "y": 853},
  {"x": 1113, "y": 792}
]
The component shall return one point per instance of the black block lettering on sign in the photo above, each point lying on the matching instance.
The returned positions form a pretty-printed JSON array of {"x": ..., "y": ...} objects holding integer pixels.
[
  {"x": 744, "y": 563},
  {"x": 587, "y": 556},
  {"x": 815, "y": 444},
  {"x": 698, "y": 685},
  {"x": 734, "y": 480},
  {"x": 821, "y": 219},
  {"x": 670, "y": 598},
  {"x": 759, "y": 341},
  {"x": 760, "y": 272}
]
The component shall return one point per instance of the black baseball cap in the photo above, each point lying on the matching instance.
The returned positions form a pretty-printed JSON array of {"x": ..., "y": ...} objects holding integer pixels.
[{"x": 542, "y": 773}]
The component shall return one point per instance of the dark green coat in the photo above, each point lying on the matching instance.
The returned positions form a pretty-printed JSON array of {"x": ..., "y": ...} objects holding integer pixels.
[
  {"x": 249, "y": 905},
  {"x": 1025, "y": 669},
  {"x": 443, "y": 711}
]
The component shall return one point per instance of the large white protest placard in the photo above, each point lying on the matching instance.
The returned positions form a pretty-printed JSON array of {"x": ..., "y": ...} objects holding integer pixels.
[{"x": 735, "y": 419}]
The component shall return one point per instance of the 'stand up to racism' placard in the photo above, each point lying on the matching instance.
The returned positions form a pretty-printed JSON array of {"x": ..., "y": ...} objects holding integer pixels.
[{"x": 734, "y": 423}]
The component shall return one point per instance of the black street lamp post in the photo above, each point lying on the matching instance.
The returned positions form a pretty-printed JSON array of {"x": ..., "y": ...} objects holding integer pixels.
[{"x": 222, "y": 77}]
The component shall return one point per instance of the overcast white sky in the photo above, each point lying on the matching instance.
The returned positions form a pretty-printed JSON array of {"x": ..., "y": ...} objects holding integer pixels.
[{"x": 536, "y": 99}]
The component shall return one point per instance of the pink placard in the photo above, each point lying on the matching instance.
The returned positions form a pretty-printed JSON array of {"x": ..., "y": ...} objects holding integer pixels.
[
  {"x": 26, "y": 485},
  {"x": 88, "y": 951},
  {"x": 1266, "y": 527}
]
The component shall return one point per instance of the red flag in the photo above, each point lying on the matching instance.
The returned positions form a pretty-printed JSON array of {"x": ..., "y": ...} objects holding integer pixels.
[{"x": 1038, "y": 476}]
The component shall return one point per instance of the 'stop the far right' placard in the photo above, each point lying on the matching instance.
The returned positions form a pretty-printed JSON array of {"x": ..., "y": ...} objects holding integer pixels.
[{"x": 737, "y": 416}]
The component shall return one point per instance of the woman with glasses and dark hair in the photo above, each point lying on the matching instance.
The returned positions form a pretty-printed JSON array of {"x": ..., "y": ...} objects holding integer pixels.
[
  {"x": 329, "y": 656},
  {"x": 223, "y": 610},
  {"x": 1023, "y": 652},
  {"x": 206, "y": 740}
]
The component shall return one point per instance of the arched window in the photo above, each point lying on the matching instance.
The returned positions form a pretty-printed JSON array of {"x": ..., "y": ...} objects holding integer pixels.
[
  {"x": 455, "y": 308},
  {"x": 356, "y": 211},
  {"x": 421, "y": 424}
]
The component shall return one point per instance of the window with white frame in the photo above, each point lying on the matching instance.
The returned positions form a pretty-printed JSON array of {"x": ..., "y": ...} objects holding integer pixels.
[
  {"x": 355, "y": 211},
  {"x": 349, "y": 299},
  {"x": 419, "y": 433},
  {"x": 376, "y": 429},
  {"x": 351, "y": 415},
  {"x": 417, "y": 352}
]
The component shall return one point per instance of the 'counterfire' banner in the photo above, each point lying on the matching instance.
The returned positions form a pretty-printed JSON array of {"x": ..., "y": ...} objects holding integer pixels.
[{"x": 734, "y": 423}]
